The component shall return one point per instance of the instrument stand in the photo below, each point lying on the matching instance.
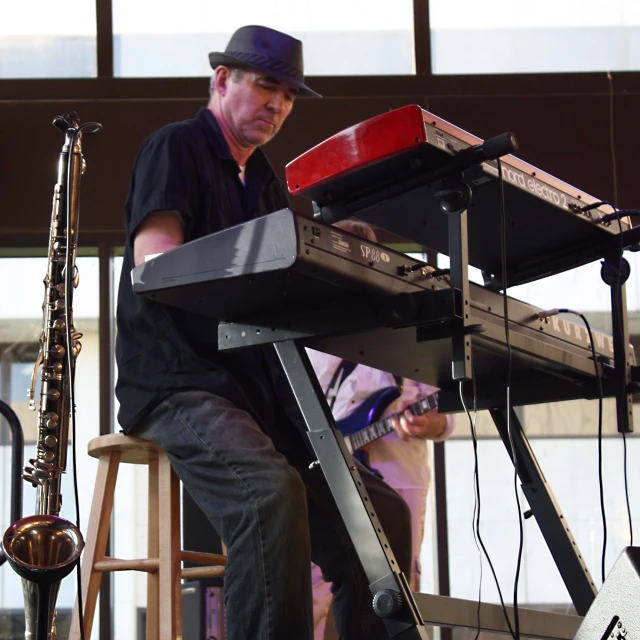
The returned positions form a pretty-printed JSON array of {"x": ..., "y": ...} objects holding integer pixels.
[
  {"x": 542, "y": 504},
  {"x": 455, "y": 199},
  {"x": 391, "y": 593},
  {"x": 615, "y": 272},
  {"x": 404, "y": 614}
]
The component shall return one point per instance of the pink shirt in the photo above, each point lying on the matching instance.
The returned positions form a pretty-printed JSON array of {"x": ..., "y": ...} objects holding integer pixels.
[{"x": 404, "y": 464}]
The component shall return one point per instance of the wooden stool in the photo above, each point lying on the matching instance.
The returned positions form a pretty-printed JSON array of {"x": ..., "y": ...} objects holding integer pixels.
[{"x": 164, "y": 593}]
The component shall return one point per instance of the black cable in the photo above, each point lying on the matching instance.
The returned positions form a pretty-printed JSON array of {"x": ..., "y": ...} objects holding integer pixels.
[
  {"x": 617, "y": 292},
  {"x": 626, "y": 487},
  {"x": 476, "y": 534},
  {"x": 600, "y": 475},
  {"x": 607, "y": 217},
  {"x": 616, "y": 215},
  {"x": 476, "y": 510},
  {"x": 593, "y": 205},
  {"x": 624, "y": 439},
  {"x": 614, "y": 170},
  {"x": 627, "y": 212},
  {"x": 69, "y": 277},
  {"x": 503, "y": 262},
  {"x": 600, "y": 403},
  {"x": 476, "y": 495},
  {"x": 87, "y": 129}
]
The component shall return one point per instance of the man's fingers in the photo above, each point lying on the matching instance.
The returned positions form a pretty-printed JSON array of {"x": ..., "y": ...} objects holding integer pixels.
[
  {"x": 405, "y": 429},
  {"x": 401, "y": 428}
]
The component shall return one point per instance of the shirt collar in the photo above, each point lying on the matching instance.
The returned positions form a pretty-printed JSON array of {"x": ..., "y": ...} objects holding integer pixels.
[{"x": 257, "y": 162}]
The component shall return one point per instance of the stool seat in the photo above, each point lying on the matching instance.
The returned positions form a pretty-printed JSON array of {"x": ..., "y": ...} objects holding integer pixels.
[
  {"x": 164, "y": 553},
  {"x": 132, "y": 450}
]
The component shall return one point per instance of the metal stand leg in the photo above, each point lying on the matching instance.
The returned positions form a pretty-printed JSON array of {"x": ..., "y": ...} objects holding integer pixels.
[
  {"x": 615, "y": 271},
  {"x": 404, "y": 613},
  {"x": 544, "y": 507},
  {"x": 393, "y": 600},
  {"x": 455, "y": 199}
]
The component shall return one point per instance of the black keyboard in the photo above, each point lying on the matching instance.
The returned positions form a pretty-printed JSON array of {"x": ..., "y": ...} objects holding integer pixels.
[{"x": 296, "y": 277}]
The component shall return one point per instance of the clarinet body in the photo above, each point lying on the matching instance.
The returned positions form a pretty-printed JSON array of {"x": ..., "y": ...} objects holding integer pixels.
[{"x": 44, "y": 548}]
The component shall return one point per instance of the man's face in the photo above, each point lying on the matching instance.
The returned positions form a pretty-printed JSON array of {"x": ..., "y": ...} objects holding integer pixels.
[{"x": 255, "y": 106}]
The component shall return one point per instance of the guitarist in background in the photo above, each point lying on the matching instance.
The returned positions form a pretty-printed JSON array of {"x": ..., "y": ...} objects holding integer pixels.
[{"x": 401, "y": 457}]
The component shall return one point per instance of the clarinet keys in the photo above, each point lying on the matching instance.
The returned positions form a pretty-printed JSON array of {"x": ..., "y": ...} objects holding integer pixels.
[
  {"x": 50, "y": 420},
  {"x": 57, "y": 351}
]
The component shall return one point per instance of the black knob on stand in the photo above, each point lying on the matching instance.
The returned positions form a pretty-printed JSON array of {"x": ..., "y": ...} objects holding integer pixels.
[{"x": 387, "y": 603}]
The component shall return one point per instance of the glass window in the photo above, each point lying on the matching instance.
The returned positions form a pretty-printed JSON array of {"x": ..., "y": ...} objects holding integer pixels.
[
  {"x": 581, "y": 289},
  {"x": 20, "y": 330},
  {"x": 38, "y": 39},
  {"x": 571, "y": 469},
  {"x": 151, "y": 38},
  {"x": 516, "y": 36},
  {"x": 563, "y": 438},
  {"x": 129, "y": 528}
]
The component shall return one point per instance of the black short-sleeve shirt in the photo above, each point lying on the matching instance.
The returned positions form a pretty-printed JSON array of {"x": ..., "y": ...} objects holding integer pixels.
[{"x": 187, "y": 167}]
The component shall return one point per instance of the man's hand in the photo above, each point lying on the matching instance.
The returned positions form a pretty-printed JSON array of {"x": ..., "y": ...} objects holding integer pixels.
[{"x": 429, "y": 425}]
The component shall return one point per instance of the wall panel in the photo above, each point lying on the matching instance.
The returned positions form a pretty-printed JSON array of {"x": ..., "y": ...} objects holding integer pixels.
[
  {"x": 563, "y": 126},
  {"x": 567, "y": 136}
]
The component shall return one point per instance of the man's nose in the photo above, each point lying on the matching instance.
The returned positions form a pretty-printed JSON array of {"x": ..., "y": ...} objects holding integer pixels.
[{"x": 276, "y": 101}]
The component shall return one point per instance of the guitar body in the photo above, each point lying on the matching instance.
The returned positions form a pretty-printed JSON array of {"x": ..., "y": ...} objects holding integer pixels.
[
  {"x": 365, "y": 424},
  {"x": 369, "y": 411}
]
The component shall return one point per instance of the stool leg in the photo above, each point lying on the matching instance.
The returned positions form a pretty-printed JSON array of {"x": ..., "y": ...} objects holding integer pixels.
[
  {"x": 96, "y": 541},
  {"x": 153, "y": 551},
  {"x": 170, "y": 586}
]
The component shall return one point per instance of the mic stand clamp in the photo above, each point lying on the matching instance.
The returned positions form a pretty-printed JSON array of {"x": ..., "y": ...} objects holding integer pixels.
[
  {"x": 614, "y": 272},
  {"x": 454, "y": 196}
]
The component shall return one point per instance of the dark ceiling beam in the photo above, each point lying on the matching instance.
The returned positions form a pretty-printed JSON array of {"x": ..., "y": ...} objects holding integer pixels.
[{"x": 497, "y": 86}]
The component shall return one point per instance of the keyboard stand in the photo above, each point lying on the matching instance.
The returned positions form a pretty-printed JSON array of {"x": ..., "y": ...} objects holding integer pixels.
[
  {"x": 542, "y": 504},
  {"x": 405, "y": 614},
  {"x": 371, "y": 545}
]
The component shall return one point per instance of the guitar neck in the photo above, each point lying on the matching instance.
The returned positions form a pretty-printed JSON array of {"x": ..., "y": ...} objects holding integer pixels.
[{"x": 382, "y": 427}]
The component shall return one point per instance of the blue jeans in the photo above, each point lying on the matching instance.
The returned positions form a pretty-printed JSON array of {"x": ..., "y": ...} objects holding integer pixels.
[{"x": 274, "y": 515}]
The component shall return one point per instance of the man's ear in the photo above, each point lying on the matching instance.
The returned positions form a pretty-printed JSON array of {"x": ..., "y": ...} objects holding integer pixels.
[{"x": 222, "y": 78}]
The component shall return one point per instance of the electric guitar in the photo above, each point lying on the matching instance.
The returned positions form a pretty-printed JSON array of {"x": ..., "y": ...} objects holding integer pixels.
[{"x": 368, "y": 413}]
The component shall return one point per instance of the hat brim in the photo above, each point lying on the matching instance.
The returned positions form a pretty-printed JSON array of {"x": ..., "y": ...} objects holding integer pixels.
[{"x": 217, "y": 58}]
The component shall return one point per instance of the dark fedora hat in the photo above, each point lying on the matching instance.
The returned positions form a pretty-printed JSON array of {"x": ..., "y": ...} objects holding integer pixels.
[{"x": 266, "y": 50}]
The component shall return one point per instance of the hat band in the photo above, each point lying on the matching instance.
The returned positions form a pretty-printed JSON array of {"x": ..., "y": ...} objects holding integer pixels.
[{"x": 277, "y": 66}]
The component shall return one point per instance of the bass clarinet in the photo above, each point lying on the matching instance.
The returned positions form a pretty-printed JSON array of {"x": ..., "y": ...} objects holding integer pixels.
[{"x": 44, "y": 548}]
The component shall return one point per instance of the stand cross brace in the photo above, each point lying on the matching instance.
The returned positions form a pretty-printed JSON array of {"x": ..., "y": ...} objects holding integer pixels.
[{"x": 554, "y": 527}]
